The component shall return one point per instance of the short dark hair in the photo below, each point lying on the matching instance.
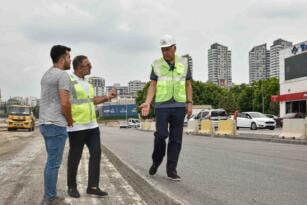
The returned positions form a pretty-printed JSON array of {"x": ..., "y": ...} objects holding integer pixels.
[
  {"x": 78, "y": 61},
  {"x": 57, "y": 51}
]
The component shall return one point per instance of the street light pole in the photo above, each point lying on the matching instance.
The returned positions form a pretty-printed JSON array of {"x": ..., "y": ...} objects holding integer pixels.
[
  {"x": 262, "y": 72},
  {"x": 262, "y": 97},
  {"x": 126, "y": 110}
]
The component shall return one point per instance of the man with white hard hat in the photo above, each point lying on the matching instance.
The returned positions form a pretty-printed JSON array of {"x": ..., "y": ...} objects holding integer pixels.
[{"x": 172, "y": 87}]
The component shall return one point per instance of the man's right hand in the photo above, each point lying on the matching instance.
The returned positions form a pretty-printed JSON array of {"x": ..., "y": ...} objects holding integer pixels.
[
  {"x": 145, "y": 108},
  {"x": 70, "y": 123}
]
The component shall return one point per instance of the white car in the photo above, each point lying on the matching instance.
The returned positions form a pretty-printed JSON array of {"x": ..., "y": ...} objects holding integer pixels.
[
  {"x": 255, "y": 120},
  {"x": 211, "y": 114},
  {"x": 132, "y": 122}
]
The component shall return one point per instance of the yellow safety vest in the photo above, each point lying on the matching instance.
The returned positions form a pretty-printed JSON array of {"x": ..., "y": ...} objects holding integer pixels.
[
  {"x": 171, "y": 83},
  {"x": 83, "y": 108}
]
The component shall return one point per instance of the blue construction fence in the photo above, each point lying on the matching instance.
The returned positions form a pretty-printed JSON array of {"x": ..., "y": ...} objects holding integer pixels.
[{"x": 118, "y": 110}]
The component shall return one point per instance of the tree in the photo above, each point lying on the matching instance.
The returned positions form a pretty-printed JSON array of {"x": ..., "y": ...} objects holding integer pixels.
[
  {"x": 207, "y": 93},
  {"x": 265, "y": 89},
  {"x": 141, "y": 98},
  {"x": 229, "y": 103},
  {"x": 245, "y": 98}
]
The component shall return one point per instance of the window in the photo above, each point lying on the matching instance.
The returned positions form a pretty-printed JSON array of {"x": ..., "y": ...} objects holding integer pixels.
[{"x": 296, "y": 66}]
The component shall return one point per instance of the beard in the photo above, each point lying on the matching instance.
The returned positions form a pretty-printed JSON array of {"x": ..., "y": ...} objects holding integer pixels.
[{"x": 66, "y": 66}]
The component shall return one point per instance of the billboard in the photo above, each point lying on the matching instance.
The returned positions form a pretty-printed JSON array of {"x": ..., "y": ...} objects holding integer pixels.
[
  {"x": 118, "y": 110},
  {"x": 296, "y": 66}
]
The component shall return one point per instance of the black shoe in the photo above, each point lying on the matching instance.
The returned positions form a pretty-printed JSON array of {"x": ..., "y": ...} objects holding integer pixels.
[
  {"x": 73, "y": 192},
  {"x": 173, "y": 176},
  {"x": 96, "y": 191},
  {"x": 153, "y": 169}
]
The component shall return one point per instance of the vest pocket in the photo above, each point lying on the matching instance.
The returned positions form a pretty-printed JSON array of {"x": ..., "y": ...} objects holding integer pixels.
[
  {"x": 161, "y": 91},
  {"x": 180, "y": 91}
]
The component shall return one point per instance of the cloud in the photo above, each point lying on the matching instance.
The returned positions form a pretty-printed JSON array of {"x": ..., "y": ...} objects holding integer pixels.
[
  {"x": 121, "y": 37},
  {"x": 105, "y": 26},
  {"x": 287, "y": 10}
]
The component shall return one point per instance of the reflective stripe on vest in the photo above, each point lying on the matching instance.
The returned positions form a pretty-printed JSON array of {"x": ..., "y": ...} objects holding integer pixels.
[
  {"x": 83, "y": 108},
  {"x": 170, "y": 84}
]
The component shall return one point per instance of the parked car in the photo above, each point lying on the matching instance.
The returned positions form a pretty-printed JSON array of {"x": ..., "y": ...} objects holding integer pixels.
[
  {"x": 133, "y": 122},
  {"x": 201, "y": 115},
  {"x": 216, "y": 115},
  {"x": 186, "y": 120},
  {"x": 277, "y": 119},
  {"x": 123, "y": 124},
  {"x": 211, "y": 114},
  {"x": 255, "y": 120},
  {"x": 294, "y": 115}
]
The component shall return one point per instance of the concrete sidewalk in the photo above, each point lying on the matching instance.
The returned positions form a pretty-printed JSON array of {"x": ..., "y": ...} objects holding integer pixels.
[{"x": 21, "y": 179}]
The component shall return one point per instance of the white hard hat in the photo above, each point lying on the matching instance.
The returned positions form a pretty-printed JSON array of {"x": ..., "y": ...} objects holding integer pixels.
[{"x": 167, "y": 41}]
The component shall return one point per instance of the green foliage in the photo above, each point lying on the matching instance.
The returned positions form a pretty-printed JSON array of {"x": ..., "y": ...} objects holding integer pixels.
[
  {"x": 141, "y": 98},
  {"x": 35, "y": 111},
  {"x": 244, "y": 97}
]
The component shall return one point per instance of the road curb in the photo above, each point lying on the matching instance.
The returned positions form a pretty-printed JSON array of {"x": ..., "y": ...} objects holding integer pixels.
[
  {"x": 254, "y": 137},
  {"x": 150, "y": 193}
]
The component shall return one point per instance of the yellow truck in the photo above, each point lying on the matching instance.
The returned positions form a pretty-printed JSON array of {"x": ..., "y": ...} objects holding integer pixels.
[{"x": 20, "y": 117}]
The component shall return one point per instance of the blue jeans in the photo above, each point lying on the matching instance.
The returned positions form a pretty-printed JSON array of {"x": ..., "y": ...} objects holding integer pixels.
[{"x": 55, "y": 138}]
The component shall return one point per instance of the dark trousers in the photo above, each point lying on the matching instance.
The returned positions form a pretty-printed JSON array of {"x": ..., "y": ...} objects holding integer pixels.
[
  {"x": 77, "y": 140},
  {"x": 169, "y": 123}
]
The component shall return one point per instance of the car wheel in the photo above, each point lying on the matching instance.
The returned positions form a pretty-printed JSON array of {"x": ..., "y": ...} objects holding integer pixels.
[
  {"x": 253, "y": 126},
  {"x": 272, "y": 128}
]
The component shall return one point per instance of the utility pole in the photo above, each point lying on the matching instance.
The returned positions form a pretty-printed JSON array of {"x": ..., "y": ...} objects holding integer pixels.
[
  {"x": 126, "y": 109},
  {"x": 262, "y": 97},
  {"x": 262, "y": 80}
]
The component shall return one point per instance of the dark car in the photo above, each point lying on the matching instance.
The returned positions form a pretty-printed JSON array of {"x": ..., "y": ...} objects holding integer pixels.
[
  {"x": 277, "y": 119},
  {"x": 294, "y": 115}
]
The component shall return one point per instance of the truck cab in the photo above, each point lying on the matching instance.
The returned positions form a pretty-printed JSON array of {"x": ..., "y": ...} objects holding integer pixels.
[{"x": 20, "y": 117}]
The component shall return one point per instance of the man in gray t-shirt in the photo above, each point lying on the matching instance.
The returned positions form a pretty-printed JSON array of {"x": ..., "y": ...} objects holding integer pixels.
[
  {"x": 53, "y": 80},
  {"x": 55, "y": 115}
]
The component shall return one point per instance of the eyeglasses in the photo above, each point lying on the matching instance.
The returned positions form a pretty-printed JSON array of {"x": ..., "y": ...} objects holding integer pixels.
[{"x": 87, "y": 65}]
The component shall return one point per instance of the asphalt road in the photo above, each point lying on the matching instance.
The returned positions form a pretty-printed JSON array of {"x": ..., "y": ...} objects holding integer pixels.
[{"x": 221, "y": 171}]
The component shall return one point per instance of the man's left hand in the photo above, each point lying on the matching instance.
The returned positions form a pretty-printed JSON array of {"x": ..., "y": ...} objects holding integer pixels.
[
  {"x": 189, "y": 110},
  {"x": 112, "y": 93}
]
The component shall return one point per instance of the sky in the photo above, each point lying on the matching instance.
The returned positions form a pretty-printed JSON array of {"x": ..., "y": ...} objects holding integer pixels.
[{"x": 121, "y": 37}]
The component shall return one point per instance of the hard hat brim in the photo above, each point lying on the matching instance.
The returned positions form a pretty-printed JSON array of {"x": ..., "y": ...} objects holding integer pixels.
[{"x": 168, "y": 45}]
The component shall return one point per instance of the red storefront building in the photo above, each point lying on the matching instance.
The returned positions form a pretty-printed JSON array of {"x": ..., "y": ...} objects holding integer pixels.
[{"x": 293, "y": 80}]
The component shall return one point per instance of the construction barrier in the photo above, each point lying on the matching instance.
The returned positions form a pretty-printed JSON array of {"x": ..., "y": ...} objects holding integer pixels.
[
  {"x": 226, "y": 127},
  {"x": 153, "y": 126},
  {"x": 147, "y": 125},
  {"x": 294, "y": 128},
  {"x": 193, "y": 127},
  {"x": 206, "y": 127},
  {"x": 142, "y": 125}
]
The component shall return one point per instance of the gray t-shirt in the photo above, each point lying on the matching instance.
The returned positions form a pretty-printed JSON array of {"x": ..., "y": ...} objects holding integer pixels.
[{"x": 50, "y": 111}]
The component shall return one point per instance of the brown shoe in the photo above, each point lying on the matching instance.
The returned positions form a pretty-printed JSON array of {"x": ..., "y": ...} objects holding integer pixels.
[
  {"x": 96, "y": 191},
  {"x": 59, "y": 201}
]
